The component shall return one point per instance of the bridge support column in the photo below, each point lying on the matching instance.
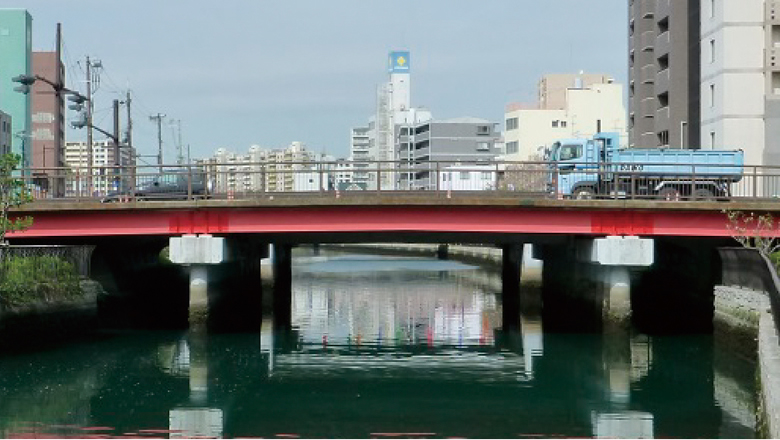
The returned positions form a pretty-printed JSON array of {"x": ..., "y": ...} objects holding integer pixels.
[
  {"x": 617, "y": 295},
  {"x": 282, "y": 301},
  {"x": 510, "y": 281},
  {"x": 198, "y": 252},
  {"x": 199, "y": 295},
  {"x": 442, "y": 252}
]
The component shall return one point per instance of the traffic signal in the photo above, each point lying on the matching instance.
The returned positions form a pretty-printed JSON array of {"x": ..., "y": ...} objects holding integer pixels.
[
  {"x": 78, "y": 102},
  {"x": 81, "y": 122},
  {"x": 25, "y": 82}
]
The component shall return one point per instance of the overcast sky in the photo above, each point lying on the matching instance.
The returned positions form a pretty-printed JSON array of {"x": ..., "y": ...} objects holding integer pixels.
[{"x": 238, "y": 73}]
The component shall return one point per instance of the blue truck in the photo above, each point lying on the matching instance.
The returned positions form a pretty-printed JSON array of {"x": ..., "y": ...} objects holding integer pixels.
[{"x": 597, "y": 167}]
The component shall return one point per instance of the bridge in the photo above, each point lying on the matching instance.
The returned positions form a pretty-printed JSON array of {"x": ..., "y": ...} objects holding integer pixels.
[{"x": 617, "y": 245}]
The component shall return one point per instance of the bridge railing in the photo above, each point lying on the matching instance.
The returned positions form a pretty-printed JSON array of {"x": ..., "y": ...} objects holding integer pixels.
[{"x": 238, "y": 180}]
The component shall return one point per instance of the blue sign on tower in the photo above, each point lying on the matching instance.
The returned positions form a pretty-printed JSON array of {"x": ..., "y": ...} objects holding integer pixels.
[{"x": 399, "y": 62}]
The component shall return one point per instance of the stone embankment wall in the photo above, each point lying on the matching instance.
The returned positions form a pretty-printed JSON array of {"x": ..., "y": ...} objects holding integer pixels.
[{"x": 743, "y": 310}]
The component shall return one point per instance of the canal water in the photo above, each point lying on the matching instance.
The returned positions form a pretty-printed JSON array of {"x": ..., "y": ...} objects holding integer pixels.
[{"x": 382, "y": 347}]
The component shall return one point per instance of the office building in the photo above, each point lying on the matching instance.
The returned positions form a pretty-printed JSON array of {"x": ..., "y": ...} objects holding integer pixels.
[
  {"x": 554, "y": 86},
  {"x": 48, "y": 127},
  {"x": 6, "y": 135},
  {"x": 16, "y": 59},
  {"x": 664, "y": 73}
]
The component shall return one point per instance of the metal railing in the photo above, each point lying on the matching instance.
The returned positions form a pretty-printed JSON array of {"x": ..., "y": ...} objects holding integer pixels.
[{"x": 237, "y": 180}]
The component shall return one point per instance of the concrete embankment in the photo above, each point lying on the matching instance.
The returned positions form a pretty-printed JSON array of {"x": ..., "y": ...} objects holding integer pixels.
[
  {"x": 743, "y": 314},
  {"x": 50, "y": 321}
]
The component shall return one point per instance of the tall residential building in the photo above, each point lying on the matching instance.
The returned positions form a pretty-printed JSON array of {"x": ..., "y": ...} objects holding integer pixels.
[
  {"x": 584, "y": 111},
  {"x": 664, "y": 70},
  {"x": 6, "y": 135},
  {"x": 740, "y": 78},
  {"x": 423, "y": 144},
  {"x": 16, "y": 59},
  {"x": 103, "y": 181},
  {"x": 554, "y": 86},
  {"x": 48, "y": 126}
]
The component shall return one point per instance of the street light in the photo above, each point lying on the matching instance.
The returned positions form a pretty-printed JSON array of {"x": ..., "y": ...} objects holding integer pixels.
[{"x": 22, "y": 135}]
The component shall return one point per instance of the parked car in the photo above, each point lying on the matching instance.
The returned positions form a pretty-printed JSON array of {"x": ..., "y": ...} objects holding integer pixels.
[{"x": 170, "y": 185}]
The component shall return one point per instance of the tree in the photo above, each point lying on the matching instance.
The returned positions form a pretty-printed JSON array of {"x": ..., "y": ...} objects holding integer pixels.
[
  {"x": 13, "y": 193},
  {"x": 754, "y": 231}
]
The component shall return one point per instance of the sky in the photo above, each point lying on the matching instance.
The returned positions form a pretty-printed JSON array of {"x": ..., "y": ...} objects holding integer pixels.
[{"x": 238, "y": 73}]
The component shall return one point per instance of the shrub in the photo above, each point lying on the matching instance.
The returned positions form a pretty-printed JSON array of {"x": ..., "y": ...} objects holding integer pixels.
[{"x": 29, "y": 280}]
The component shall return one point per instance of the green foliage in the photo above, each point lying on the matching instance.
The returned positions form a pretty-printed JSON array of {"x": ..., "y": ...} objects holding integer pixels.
[
  {"x": 28, "y": 280},
  {"x": 13, "y": 193},
  {"x": 754, "y": 231}
]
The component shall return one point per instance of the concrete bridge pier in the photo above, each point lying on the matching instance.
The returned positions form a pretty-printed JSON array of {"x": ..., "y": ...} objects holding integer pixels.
[
  {"x": 587, "y": 283},
  {"x": 512, "y": 257},
  {"x": 282, "y": 295},
  {"x": 198, "y": 252},
  {"x": 442, "y": 252}
]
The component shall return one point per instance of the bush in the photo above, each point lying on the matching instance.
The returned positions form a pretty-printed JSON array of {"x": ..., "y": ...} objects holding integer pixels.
[{"x": 29, "y": 280}]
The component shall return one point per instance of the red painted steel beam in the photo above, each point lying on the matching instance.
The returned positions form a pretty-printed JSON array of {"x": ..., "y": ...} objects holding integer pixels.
[{"x": 460, "y": 219}]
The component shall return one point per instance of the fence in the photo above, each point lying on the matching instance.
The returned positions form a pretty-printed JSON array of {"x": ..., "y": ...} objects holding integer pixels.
[{"x": 236, "y": 180}]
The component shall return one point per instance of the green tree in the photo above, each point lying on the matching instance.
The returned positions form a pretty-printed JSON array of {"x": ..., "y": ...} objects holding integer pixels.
[
  {"x": 755, "y": 231},
  {"x": 13, "y": 193}
]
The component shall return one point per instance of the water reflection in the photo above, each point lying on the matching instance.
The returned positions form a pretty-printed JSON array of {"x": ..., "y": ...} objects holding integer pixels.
[{"x": 418, "y": 349}]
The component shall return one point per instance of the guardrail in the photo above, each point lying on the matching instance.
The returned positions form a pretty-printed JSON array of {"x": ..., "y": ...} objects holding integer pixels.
[{"x": 235, "y": 180}]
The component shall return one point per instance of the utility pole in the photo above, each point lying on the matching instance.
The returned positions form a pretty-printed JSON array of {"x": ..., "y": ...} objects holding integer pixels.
[
  {"x": 89, "y": 128},
  {"x": 117, "y": 159},
  {"x": 59, "y": 183},
  {"x": 159, "y": 117},
  {"x": 129, "y": 143}
]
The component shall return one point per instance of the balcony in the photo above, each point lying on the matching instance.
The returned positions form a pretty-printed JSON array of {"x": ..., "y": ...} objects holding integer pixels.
[
  {"x": 663, "y": 43},
  {"x": 662, "y": 82},
  {"x": 648, "y": 74},
  {"x": 648, "y": 41},
  {"x": 648, "y": 107},
  {"x": 647, "y": 8},
  {"x": 663, "y": 8}
]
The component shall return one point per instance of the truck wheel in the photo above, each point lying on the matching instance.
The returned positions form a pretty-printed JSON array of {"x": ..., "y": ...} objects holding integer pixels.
[
  {"x": 703, "y": 194},
  {"x": 583, "y": 193},
  {"x": 669, "y": 194}
]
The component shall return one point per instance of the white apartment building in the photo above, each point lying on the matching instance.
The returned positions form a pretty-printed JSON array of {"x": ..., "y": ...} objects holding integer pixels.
[
  {"x": 740, "y": 78},
  {"x": 103, "y": 172},
  {"x": 282, "y": 170},
  {"x": 529, "y": 129}
]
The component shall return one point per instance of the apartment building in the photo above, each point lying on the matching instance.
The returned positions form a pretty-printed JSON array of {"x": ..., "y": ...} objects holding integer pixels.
[
  {"x": 583, "y": 111},
  {"x": 740, "y": 78},
  {"x": 423, "y": 145},
  {"x": 664, "y": 73},
  {"x": 103, "y": 172}
]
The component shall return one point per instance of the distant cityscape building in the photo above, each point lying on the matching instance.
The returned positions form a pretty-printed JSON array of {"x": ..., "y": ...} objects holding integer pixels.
[
  {"x": 422, "y": 145},
  {"x": 46, "y": 112},
  {"x": 553, "y": 87},
  {"x": 104, "y": 177},
  {"x": 583, "y": 111},
  {"x": 664, "y": 63},
  {"x": 16, "y": 59},
  {"x": 292, "y": 169},
  {"x": 6, "y": 135},
  {"x": 740, "y": 78}
]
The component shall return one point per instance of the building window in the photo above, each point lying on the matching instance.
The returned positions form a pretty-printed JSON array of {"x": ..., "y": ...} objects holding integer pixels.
[
  {"x": 555, "y": 124},
  {"x": 465, "y": 175},
  {"x": 483, "y": 146},
  {"x": 712, "y": 95},
  {"x": 712, "y": 140},
  {"x": 712, "y": 8},
  {"x": 483, "y": 130},
  {"x": 712, "y": 50},
  {"x": 486, "y": 175},
  {"x": 511, "y": 124},
  {"x": 512, "y": 147},
  {"x": 563, "y": 124}
]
